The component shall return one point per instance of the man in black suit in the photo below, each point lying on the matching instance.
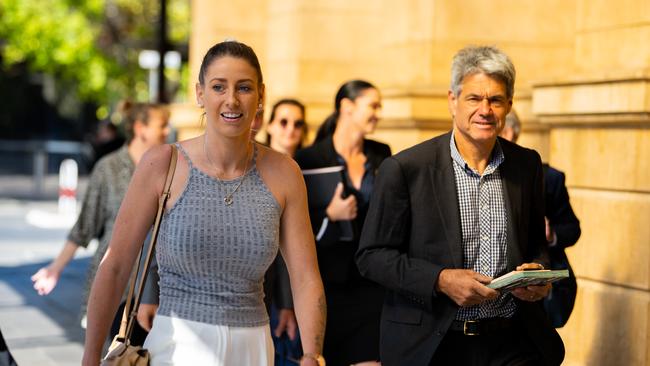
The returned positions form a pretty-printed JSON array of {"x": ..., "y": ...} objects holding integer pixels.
[
  {"x": 562, "y": 231},
  {"x": 448, "y": 215}
]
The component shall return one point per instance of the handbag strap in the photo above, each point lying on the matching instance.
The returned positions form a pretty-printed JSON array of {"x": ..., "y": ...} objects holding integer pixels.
[{"x": 128, "y": 316}]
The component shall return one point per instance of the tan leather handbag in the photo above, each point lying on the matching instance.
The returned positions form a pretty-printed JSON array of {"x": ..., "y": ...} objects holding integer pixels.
[{"x": 121, "y": 352}]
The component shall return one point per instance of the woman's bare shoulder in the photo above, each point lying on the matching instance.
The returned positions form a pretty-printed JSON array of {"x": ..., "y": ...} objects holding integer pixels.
[{"x": 156, "y": 159}]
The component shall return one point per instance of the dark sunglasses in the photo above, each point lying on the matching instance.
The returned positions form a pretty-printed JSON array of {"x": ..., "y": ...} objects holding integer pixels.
[{"x": 296, "y": 124}]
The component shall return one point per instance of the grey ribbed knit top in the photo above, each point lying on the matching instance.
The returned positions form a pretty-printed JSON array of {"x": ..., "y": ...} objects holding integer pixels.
[{"x": 212, "y": 257}]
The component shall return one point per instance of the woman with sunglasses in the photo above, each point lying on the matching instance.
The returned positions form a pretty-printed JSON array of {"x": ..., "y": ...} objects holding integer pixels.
[
  {"x": 286, "y": 130},
  {"x": 353, "y": 303}
]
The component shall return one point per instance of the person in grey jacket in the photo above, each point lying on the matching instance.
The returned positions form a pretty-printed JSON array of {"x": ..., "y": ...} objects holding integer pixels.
[{"x": 146, "y": 125}]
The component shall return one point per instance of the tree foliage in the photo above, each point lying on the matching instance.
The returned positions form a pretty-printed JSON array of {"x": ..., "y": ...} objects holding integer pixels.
[{"x": 90, "y": 47}]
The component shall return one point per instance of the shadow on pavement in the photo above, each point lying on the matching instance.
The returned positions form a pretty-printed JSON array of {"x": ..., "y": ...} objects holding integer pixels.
[{"x": 29, "y": 320}]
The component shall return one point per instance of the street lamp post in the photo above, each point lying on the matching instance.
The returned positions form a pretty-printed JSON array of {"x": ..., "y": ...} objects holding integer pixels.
[
  {"x": 150, "y": 60},
  {"x": 162, "y": 50}
]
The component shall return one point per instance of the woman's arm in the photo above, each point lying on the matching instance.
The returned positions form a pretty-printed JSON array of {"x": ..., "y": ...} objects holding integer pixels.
[
  {"x": 47, "y": 277},
  {"x": 89, "y": 224},
  {"x": 134, "y": 220},
  {"x": 299, "y": 252}
]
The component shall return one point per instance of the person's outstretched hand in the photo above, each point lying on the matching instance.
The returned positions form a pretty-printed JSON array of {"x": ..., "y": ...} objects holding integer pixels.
[{"x": 45, "y": 280}]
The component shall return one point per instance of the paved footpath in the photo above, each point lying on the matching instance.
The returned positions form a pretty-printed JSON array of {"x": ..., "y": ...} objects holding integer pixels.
[{"x": 39, "y": 330}]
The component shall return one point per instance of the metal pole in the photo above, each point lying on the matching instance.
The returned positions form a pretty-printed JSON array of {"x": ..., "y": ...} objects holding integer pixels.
[
  {"x": 162, "y": 49},
  {"x": 39, "y": 170}
]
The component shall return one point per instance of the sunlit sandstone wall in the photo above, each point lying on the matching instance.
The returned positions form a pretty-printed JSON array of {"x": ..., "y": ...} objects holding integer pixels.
[
  {"x": 308, "y": 48},
  {"x": 212, "y": 22},
  {"x": 599, "y": 121},
  {"x": 583, "y": 93}
]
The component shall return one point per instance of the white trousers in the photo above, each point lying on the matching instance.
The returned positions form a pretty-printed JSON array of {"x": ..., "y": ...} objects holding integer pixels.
[{"x": 175, "y": 341}]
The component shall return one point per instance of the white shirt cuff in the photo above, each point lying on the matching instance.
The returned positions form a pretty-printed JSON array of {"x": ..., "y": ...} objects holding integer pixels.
[
  {"x": 322, "y": 229},
  {"x": 553, "y": 242}
]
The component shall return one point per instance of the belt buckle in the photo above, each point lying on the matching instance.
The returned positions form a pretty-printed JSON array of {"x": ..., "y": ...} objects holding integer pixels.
[{"x": 467, "y": 331}]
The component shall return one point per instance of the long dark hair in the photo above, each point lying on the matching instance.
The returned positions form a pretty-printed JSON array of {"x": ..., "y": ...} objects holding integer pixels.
[
  {"x": 234, "y": 49},
  {"x": 287, "y": 101},
  {"x": 350, "y": 90}
]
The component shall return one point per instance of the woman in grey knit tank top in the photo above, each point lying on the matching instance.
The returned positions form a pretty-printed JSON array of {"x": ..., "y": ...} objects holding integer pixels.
[
  {"x": 200, "y": 234},
  {"x": 232, "y": 204}
]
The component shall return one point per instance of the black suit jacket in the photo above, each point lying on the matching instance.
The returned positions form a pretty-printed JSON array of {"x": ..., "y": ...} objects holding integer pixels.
[
  {"x": 336, "y": 260},
  {"x": 566, "y": 225},
  {"x": 412, "y": 232},
  {"x": 559, "y": 211}
]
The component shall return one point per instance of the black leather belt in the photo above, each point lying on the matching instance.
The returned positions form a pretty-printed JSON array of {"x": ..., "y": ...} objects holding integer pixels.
[{"x": 481, "y": 327}]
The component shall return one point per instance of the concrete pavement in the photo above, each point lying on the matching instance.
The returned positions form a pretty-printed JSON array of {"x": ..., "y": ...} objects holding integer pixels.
[{"x": 39, "y": 330}]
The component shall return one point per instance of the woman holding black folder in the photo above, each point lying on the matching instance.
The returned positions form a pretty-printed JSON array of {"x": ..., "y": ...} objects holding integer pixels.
[{"x": 353, "y": 303}]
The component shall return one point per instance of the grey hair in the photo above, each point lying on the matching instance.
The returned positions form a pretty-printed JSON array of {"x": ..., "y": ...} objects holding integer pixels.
[
  {"x": 512, "y": 121},
  {"x": 487, "y": 60}
]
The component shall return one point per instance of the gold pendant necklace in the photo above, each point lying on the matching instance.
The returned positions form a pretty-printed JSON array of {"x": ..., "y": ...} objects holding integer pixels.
[{"x": 228, "y": 198}]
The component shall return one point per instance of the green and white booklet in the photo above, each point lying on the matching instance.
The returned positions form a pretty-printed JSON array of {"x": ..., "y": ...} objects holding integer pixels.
[{"x": 514, "y": 279}]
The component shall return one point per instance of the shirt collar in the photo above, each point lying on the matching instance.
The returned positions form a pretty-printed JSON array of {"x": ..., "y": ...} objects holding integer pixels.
[
  {"x": 124, "y": 157},
  {"x": 496, "y": 158}
]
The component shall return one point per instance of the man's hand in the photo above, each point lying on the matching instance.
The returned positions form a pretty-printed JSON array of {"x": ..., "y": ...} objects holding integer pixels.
[
  {"x": 550, "y": 233},
  {"x": 341, "y": 209},
  {"x": 45, "y": 280},
  {"x": 465, "y": 287},
  {"x": 286, "y": 323},
  {"x": 531, "y": 293},
  {"x": 146, "y": 313}
]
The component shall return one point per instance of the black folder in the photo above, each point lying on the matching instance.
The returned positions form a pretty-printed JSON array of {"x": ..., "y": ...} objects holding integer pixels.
[{"x": 321, "y": 184}]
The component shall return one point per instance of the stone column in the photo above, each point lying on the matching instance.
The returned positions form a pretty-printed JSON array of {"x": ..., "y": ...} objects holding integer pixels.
[
  {"x": 316, "y": 45},
  {"x": 308, "y": 48}
]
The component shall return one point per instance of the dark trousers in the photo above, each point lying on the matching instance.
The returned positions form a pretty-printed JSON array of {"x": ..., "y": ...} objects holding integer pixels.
[
  {"x": 137, "y": 336},
  {"x": 352, "y": 327},
  {"x": 505, "y": 347},
  {"x": 287, "y": 352}
]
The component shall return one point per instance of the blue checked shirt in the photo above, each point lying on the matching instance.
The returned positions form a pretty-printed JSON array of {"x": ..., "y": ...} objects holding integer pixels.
[{"x": 484, "y": 223}]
